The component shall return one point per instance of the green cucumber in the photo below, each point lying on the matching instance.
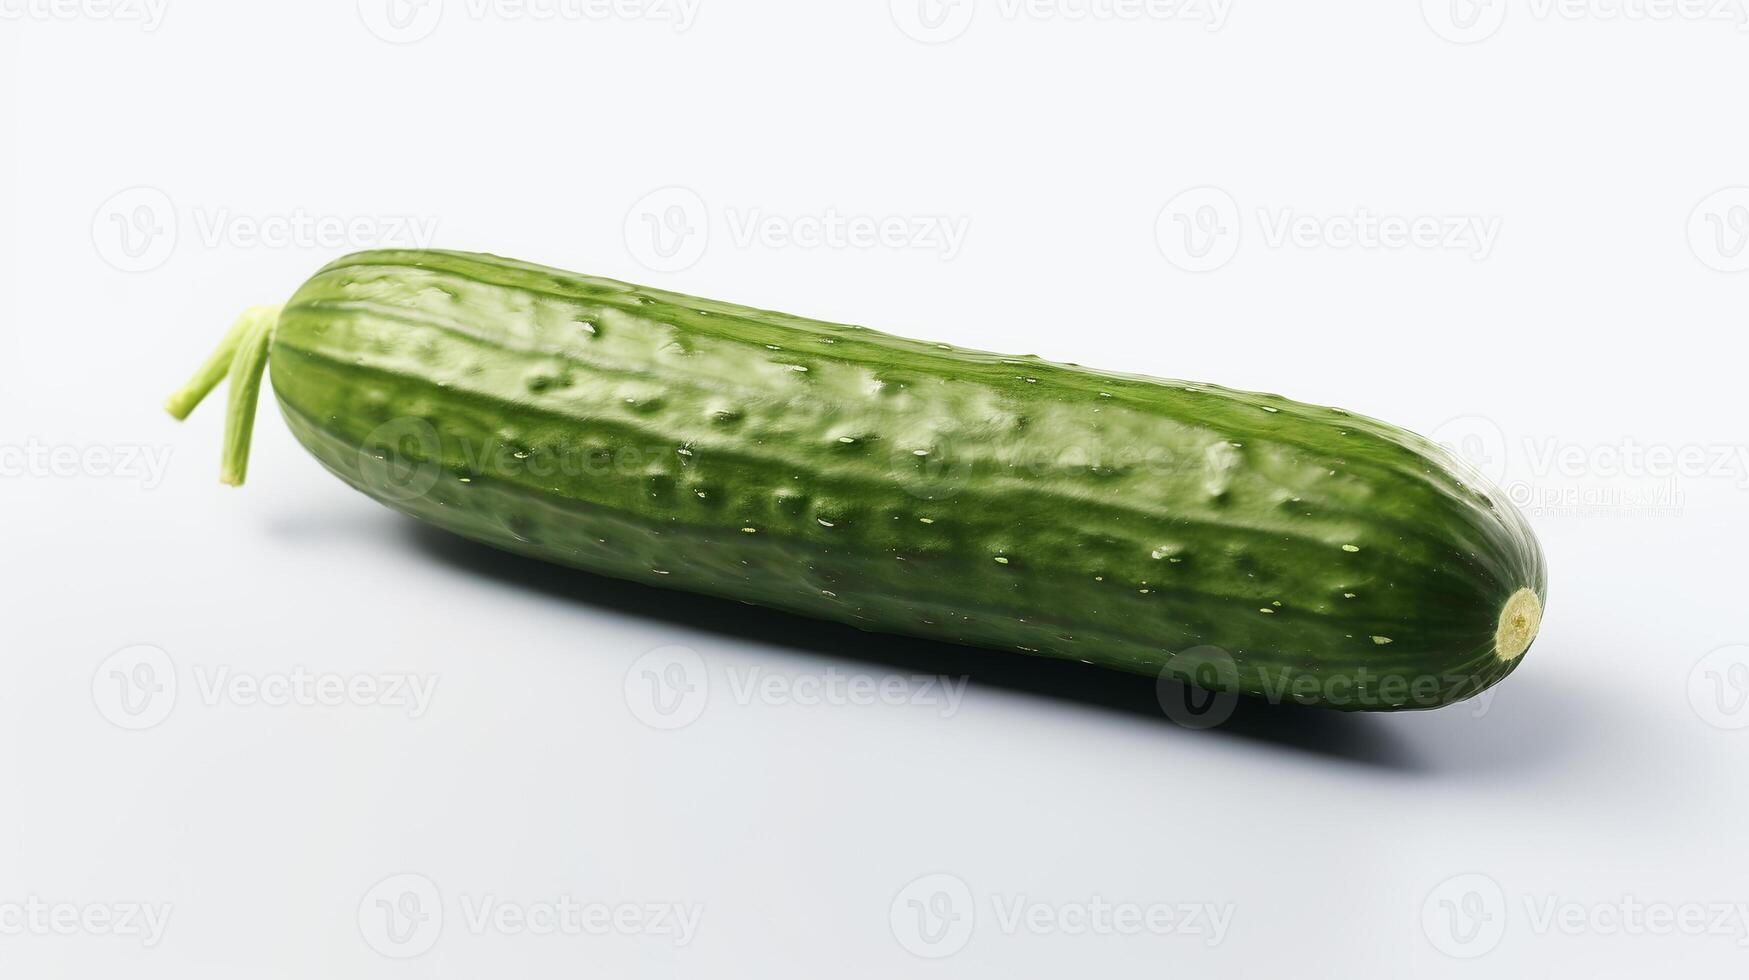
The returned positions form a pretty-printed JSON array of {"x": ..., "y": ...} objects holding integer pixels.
[{"x": 896, "y": 485}]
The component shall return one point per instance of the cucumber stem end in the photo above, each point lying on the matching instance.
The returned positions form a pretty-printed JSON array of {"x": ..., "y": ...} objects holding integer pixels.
[{"x": 1519, "y": 621}]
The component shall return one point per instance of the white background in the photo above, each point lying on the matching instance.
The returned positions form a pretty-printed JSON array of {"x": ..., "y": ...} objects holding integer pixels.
[{"x": 1589, "y": 355}]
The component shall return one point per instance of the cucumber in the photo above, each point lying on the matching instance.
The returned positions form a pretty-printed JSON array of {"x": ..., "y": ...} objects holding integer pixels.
[{"x": 1241, "y": 541}]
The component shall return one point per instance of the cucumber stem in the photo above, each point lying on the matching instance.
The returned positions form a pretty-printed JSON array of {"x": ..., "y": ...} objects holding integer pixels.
[
  {"x": 241, "y": 356},
  {"x": 184, "y": 399},
  {"x": 245, "y": 387}
]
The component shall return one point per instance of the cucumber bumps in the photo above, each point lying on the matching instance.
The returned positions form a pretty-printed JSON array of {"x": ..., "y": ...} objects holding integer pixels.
[{"x": 897, "y": 485}]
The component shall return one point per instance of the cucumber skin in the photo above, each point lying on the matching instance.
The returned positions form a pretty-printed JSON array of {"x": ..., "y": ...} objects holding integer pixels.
[{"x": 903, "y": 486}]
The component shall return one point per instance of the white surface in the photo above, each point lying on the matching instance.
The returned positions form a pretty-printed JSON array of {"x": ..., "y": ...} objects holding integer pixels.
[{"x": 1605, "y": 771}]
